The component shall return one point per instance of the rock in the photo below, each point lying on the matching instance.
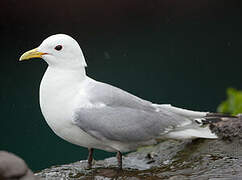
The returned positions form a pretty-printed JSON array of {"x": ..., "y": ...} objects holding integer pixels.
[
  {"x": 229, "y": 128},
  {"x": 171, "y": 159},
  {"x": 14, "y": 168},
  {"x": 198, "y": 159}
]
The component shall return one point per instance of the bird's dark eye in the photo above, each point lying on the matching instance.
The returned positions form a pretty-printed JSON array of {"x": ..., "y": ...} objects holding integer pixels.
[{"x": 58, "y": 47}]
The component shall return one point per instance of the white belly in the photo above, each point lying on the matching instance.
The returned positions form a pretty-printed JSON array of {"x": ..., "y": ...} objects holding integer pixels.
[{"x": 58, "y": 99}]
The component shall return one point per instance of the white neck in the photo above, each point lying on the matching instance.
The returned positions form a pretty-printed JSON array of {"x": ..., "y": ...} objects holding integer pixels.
[
  {"x": 57, "y": 79},
  {"x": 59, "y": 86},
  {"x": 60, "y": 75}
]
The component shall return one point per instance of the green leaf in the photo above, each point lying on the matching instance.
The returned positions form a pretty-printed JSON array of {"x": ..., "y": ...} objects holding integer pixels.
[{"x": 233, "y": 104}]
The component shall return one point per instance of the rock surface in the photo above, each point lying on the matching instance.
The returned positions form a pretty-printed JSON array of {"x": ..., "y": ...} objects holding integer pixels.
[
  {"x": 14, "y": 168},
  {"x": 171, "y": 159},
  {"x": 228, "y": 129},
  {"x": 197, "y": 159}
]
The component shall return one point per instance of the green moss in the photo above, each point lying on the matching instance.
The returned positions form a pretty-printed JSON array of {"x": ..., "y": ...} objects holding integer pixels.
[{"x": 233, "y": 104}]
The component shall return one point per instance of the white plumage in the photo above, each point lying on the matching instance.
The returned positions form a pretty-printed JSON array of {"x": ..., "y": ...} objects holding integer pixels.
[{"x": 97, "y": 115}]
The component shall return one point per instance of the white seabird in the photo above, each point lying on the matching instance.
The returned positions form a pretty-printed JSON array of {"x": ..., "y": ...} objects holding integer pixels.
[{"x": 93, "y": 114}]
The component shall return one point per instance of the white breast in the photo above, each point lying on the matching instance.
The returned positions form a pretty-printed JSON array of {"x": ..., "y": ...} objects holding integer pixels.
[{"x": 60, "y": 95}]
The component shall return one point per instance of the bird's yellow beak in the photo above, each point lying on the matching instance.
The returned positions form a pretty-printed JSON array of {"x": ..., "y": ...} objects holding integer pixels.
[{"x": 31, "y": 54}]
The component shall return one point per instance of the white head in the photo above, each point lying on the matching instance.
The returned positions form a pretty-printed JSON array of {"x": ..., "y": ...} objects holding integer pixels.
[{"x": 59, "y": 51}]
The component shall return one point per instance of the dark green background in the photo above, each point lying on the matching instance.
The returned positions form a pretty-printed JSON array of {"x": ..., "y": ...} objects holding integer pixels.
[{"x": 181, "y": 52}]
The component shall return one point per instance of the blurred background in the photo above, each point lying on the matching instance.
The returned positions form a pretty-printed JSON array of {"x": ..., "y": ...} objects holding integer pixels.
[{"x": 182, "y": 52}]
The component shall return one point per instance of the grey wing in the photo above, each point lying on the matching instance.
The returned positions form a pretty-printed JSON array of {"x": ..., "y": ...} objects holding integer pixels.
[
  {"x": 115, "y": 97},
  {"x": 124, "y": 117},
  {"x": 122, "y": 124}
]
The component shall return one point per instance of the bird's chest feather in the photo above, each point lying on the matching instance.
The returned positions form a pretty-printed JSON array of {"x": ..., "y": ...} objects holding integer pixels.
[{"x": 58, "y": 98}]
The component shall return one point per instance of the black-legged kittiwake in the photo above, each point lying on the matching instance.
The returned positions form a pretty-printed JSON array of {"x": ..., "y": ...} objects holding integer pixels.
[{"x": 93, "y": 114}]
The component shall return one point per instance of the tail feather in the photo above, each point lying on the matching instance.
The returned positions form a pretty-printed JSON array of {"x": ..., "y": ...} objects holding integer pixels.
[
  {"x": 200, "y": 126},
  {"x": 216, "y": 117},
  {"x": 192, "y": 133}
]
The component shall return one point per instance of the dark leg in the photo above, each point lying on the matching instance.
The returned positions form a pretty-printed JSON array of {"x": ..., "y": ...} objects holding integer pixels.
[
  {"x": 90, "y": 158},
  {"x": 119, "y": 158}
]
